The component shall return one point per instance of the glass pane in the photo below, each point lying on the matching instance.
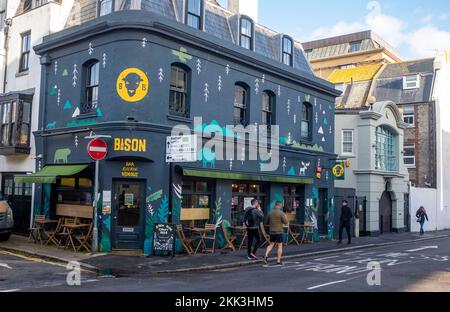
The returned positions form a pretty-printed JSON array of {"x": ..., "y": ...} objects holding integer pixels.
[
  {"x": 26, "y": 110},
  {"x": 94, "y": 74},
  {"x": 287, "y": 45},
  {"x": 245, "y": 42},
  {"x": 24, "y": 133},
  {"x": 305, "y": 129},
  {"x": 194, "y": 6},
  {"x": 68, "y": 182},
  {"x": 201, "y": 187},
  {"x": 129, "y": 204},
  {"x": 193, "y": 21},
  {"x": 6, "y": 113},
  {"x": 106, "y": 7},
  {"x": 84, "y": 183}
]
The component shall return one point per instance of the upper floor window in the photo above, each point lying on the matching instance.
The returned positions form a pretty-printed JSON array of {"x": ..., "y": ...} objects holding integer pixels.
[
  {"x": 408, "y": 116},
  {"x": 178, "y": 91},
  {"x": 241, "y": 101},
  {"x": 288, "y": 51},
  {"x": 25, "y": 51},
  {"x": 246, "y": 33},
  {"x": 355, "y": 46},
  {"x": 27, "y": 5},
  {"x": 306, "y": 126},
  {"x": 268, "y": 107},
  {"x": 411, "y": 82},
  {"x": 194, "y": 13},
  {"x": 385, "y": 150},
  {"x": 308, "y": 52},
  {"x": 15, "y": 122},
  {"x": 92, "y": 72},
  {"x": 347, "y": 142},
  {"x": 105, "y": 7},
  {"x": 347, "y": 66},
  {"x": 409, "y": 156}
]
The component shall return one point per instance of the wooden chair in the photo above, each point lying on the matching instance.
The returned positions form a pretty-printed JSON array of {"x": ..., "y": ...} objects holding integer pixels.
[
  {"x": 230, "y": 239},
  {"x": 36, "y": 229},
  {"x": 244, "y": 237},
  {"x": 209, "y": 234},
  {"x": 53, "y": 232},
  {"x": 63, "y": 234},
  {"x": 308, "y": 229},
  {"x": 266, "y": 236},
  {"x": 188, "y": 243},
  {"x": 84, "y": 239}
]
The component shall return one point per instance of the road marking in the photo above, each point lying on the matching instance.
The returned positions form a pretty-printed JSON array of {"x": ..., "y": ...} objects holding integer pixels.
[
  {"x": 4, "y": 265},
  {"x": 9, "y": 290},
  {"x": 327, "y": 284},
  {"x": 423, "y": 248}
]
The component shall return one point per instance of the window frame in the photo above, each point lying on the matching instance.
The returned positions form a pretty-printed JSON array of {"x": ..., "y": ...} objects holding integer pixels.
[
  {"x": 185, "y": 92},
  {"x": 413, "y": 147},
  {"x": 15, "y": 121},
  {"x": 309, "y": 107},
  {"x": 416, "y": 82},
  {"x": 25, "y": 67},
  {"x": 242, "y": 35},
  {"x": 289, "y": 54},
  {"x": 411, "y": 115},
  {"x": 383, "y": 154},
  {"x": 352, "y": 142},
  {"x": 87, "y": 107},
  {"x": 199, "y": 17},
  {"x": 271, "y": 111},
  {"x": 352, "y": 44},
  {"x": 245, "y": 107},
  {"x": 99, "y": 6}
]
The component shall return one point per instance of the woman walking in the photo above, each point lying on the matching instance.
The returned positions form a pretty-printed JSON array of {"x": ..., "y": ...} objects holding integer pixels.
[{"x": 421, "y": 216}]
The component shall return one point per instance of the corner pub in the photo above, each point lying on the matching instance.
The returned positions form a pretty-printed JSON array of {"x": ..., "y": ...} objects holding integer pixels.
[{"x": 133, "y": 75}]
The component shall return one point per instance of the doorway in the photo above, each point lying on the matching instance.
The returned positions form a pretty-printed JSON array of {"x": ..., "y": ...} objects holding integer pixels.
[
  {"x": 385, "y": 213},
  {"x": 322, "y": 214},
  {"x": 128, "y": 214},
  {"x": 18, "y": 196}
]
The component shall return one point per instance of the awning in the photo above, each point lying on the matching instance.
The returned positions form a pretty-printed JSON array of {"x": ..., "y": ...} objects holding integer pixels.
[
  {"x": 49, "y": 174},
  {"x": 235, "y": 176}
]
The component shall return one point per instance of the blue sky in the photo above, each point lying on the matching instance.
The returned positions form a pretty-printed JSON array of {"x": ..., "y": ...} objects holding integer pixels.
[{"x": 416, "y": 28}]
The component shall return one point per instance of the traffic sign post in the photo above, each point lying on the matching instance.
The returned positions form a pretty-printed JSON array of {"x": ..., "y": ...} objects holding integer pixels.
[{"x": 97, "y": 149}]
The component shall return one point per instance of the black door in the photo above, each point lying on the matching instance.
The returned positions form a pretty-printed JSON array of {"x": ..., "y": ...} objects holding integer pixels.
[
  {"x": 322, "y": 216},
  {"x": 360, "y": 209},
  {"x": 18, "y": 196},
  {"x": 128, "y": 214},
  {"x": 385, "y": 213}
]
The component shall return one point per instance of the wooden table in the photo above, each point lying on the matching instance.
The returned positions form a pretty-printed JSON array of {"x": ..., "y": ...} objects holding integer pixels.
[
  {"x": 70, "y": 228},
  {"x": 242, "y": 230},
  {"x": 42, "y": 224},
  {"x": 201, "y": 232}
]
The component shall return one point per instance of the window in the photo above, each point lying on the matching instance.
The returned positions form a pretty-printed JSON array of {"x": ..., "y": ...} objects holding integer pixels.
[
  {"x": 308, "y": 53},
  {"x": 240, "y": 104},
  {"x": 347, "y": 142},
  {"x": 196, "y": 202},
  {"x": 411, "y": 82},
  {"x": 385, "y": 158},
  {"x": 355, "y": 46},
  {"x": 2, "y": 14},
  {"x": 92, "y": 72},
  {"x": 408, "y": 116},
  {"x": 242, "y": 194},
  {"x": 306, "y": 126},
  {"x": 268, "y": 109},
  {"x": 72, "y": 191},
  {"x": 194, "y": 13},
  {"x": 347, "y": 66},
  {"x": 409, "y": 156},
  {"x": 25, "y": 52},
  {"x": 288, "y": 49},
  {"x": 178, "y": 91},
  {"x": 292, "y": 199},
  {"x": 15, "y": 120},
  {"x": 27, "y": 5},
  {"x": 105, "y": 7},
  {"x": 246, "y": 34}
]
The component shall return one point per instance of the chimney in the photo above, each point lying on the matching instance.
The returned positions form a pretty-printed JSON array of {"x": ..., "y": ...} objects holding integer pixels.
[{"x": 244, "y": 7}]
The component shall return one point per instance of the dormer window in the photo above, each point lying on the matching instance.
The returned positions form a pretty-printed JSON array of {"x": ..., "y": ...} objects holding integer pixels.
[
  {"x": 105, "y": 7},
  {"x": 194, "y": 13},
  {"x": 411, "y": 82},
  {"x": 287, "y": 51},
  {"x": 355, "y": 46},
  {"x": 246, "y": 33}
]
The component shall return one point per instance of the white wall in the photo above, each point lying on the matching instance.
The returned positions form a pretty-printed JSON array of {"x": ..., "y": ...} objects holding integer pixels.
[{"x": 426, "y": 198}]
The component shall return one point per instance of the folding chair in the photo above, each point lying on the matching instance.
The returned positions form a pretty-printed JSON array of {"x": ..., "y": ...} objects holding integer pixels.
[
  {"x": 244, "y": 237},
  {"x": 209, "y": 234},
  {"x": 294, "y": 235},
  {"x": 228, "y": 238},
  {"x": 84, "y": 238},
  {"x": 52, "y": 233},
  {"x": 266, "y": 236},
  {"x": 308, "y": 229},
  {"x": 188, "y": 243},
  {"x": 36, "y": 229}
]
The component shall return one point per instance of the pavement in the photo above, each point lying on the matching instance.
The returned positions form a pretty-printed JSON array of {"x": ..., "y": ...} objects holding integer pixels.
[{"x": 120, "y": 265}]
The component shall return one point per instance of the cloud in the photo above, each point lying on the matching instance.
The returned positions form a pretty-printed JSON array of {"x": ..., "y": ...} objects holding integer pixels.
[
  {"x": 426, "y": 40},
  {"x": 443, "y": 17},
  {"x": 427, "y": 18}
]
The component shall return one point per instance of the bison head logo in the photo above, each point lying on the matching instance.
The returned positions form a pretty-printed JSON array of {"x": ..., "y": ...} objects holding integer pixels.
[{"x": 132, "y": 85}]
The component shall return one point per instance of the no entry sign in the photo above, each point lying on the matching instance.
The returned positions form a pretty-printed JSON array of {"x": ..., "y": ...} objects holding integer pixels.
[{"x": 97, "y": 149}]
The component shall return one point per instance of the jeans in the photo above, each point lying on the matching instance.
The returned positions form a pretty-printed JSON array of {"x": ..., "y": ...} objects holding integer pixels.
[
  {"x": 422, "y": 232},
  {"x": 345, "y": 225},
  {"x": 253, "y": 235}
]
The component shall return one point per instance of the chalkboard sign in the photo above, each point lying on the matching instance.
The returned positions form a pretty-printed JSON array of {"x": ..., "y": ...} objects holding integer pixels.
[{"x": 164, "y": 239}]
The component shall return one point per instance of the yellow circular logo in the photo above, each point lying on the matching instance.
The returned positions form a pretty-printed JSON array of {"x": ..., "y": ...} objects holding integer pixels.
[
  {"x": 132, "y": 85},
  {"x": 338, "y": 170}
]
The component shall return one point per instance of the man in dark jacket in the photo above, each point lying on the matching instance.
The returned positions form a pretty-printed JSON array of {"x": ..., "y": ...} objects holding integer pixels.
[
  {"x": 346, "y": 217},
  {"x": 252, "y": 220}
]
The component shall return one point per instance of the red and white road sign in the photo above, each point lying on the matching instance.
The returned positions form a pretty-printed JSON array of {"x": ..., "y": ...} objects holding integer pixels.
[{"x": 97, "y": 149}]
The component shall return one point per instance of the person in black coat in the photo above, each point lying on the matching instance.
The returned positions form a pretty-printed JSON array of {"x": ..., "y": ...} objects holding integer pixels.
[{"x": 346, "y": 217}]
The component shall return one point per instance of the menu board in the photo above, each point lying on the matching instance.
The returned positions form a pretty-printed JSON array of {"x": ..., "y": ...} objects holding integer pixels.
[{"x": 164, "y": 238}]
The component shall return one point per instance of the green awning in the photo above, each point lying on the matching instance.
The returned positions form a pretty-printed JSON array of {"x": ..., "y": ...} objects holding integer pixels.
[
  {"x": 49, "y": 174},
  {"x": 245, "y": 176}
]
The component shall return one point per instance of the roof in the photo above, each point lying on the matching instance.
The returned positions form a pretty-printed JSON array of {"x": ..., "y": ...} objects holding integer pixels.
[
  {"x": 359, "y": 73},
  {"x": 354, "y": 95},
  {"x": 339, "y": 45},
  {"x": 218, "y": 22},
  {"x": 414, "y": 67}
]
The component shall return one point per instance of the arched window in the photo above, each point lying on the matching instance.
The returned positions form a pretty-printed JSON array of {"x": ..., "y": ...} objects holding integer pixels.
[
  {"x": 194, "y": 13},
  {"x": 246, "y": 33},
  {"x": 386, "y": 149},
  {"x": 287, "y": 51},
  {"x": 105, "y": 7},
  {"x": 27, "y": 5},
  {"x": 306, "y": 126},
  {"x": 178, "y": 101},
  {"x": 268, "y": 109},
  {"x": 92, "y": 73},
  {"x": 241, "y": 103}
]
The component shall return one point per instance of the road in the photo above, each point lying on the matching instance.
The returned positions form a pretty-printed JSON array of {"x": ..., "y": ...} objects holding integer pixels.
[{"x": 406, "y": 267}]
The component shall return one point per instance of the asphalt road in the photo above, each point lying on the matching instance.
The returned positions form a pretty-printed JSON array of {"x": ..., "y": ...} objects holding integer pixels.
[{"x": 406, "y": 267}]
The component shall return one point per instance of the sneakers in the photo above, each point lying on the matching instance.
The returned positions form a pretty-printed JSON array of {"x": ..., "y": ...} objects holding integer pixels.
[
  {"x": 252, "y": 257},
  {"x": 266, "y": 260},
  {"x": 279, "y": 263},
  {"x": 339, "y": 242}
]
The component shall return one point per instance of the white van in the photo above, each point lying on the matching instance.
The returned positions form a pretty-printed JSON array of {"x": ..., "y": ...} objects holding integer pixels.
[{"x": 6, "y": 220}]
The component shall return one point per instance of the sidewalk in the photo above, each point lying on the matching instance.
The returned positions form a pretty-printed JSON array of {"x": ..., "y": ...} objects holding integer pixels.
[{"x": 122, "y": 265}]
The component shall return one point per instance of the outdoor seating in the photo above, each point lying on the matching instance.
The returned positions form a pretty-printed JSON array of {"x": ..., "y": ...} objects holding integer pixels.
[
  {"x": 308, "y": 230},
  {"x": 208, "y": 233},
  {"x": 294, "y": 233},
  {"x": 84, "y": 238},
  {"x": 265, "y": 236},
  {"x": 52, "y": 234},
  {"x": 187, "y": 242},
  {"x": 229, "y": 238},
  {"x": 36, "y": 229}
]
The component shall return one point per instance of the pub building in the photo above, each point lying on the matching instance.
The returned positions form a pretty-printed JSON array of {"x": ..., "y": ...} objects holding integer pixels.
[{"x": 132, "y": 75}]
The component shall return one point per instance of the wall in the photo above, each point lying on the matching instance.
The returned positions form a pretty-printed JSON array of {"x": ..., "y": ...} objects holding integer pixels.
[{"x": 427, "y": 199}]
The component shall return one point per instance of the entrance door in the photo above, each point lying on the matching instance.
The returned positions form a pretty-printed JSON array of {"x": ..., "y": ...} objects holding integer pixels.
[
  {"x": 128, "y": 214},
  {"x": 18, "y": 195},
  {"x": 322, "y": 215},
  {"x": 385, "y": 213}
]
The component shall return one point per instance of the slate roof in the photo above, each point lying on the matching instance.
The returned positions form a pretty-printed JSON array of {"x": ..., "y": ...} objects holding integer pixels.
[
  {"x": 218, "y": 22},
  {"x": 359, "y": 73}
]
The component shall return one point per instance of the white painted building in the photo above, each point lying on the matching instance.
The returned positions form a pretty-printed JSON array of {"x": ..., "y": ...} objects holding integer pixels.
[{"x": 24, "y": 24}]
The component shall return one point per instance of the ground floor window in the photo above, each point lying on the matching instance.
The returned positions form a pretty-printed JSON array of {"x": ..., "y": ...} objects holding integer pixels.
[
  {"x": 196, "y": 202},
  {"x": 292, "y": 201},
  {"x": 243, "y": 193},
  {"x": 74, "y": 191}
]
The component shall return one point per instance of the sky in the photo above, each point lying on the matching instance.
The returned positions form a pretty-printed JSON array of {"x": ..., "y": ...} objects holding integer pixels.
[{"x": 415, "y": 28}]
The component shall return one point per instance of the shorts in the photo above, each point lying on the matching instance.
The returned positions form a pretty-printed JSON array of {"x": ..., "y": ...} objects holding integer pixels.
[{"x": 276, "y": 238}]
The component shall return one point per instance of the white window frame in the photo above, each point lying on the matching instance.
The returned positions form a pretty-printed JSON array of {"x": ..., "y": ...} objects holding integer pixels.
[
  {"x": 352, "y": 131},
  {"x": 405, "y": 146},
  {"x": 406, "y": 82},
  {"x": 409, "y": 115}
]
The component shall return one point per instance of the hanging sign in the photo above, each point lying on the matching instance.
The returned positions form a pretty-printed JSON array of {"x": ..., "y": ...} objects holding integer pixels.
[{"x": 339, "y": 171}]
